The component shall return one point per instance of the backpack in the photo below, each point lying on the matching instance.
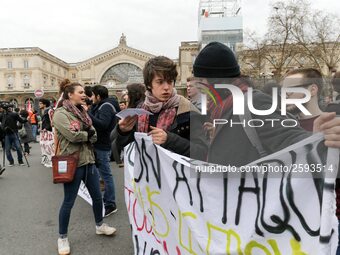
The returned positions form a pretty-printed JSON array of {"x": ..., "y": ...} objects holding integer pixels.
[
  {"x": 107, "y": 103},
  {"x": 113, "y": 108}
]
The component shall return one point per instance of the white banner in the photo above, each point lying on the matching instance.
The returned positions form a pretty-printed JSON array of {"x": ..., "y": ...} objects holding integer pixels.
[
  {"x": 47, "y": 147},
  {"x": 173, "y": 210}
]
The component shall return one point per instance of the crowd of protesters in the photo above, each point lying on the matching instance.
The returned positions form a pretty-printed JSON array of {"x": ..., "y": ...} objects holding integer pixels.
[
  {"x": 20, "y": 127},
  {"x": 85, "y": 117}
]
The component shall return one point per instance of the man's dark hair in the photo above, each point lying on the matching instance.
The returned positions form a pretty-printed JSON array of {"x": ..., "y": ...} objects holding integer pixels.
[
  {"x": 309, "y": 73},
  {"x": 88, "y": 91},
  {"x": 100, "y": 90},
  {"x": 24, "y": 114},
  {"x": 17, "y": 109},
  {"x": 161, "y": 66},
  {"x": 45, "y": 102}
]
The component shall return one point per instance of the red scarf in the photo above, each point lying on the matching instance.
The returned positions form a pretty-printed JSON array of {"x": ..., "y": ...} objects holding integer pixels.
[
  {"x": 167, "y": 112},
  {"x": 80, "y": 112},
  {"x": 217, "y": 111},
  {"x": 165, "y": 119}
]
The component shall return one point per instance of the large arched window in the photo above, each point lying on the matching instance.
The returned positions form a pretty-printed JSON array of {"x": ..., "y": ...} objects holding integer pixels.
[
  {"x": 29, "y": 104},
  {"x": 14, "y": 102},
  {"x": 124, "y": 73}
]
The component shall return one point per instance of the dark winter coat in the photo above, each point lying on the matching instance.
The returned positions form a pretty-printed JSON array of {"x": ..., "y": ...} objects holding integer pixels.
[
  {"x": 104, "y": 121},
  {"x": 45, "y": 120},
  {"x": 185, "y": 137},
  {"x": 231, "y": 146},
  {"x": 9, "y": 122}
]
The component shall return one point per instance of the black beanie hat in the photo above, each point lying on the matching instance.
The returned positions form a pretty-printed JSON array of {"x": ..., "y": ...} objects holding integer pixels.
[{"x": 216, "y": 60}]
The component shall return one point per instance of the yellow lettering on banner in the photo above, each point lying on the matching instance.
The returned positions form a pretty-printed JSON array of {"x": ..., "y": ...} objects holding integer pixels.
[
  {"x": 191, "y": 215},
  {"x": 138, "y": 195},
  {"x": 229, "y": 233},
  {"x": 253, "y": 244},
  {"x": 296, "y": 247},
  {"x": 274, "y": 246},
  {"x": 152, "y": 206}
]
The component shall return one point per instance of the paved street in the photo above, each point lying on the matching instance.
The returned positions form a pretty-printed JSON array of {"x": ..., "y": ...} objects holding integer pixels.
[{"x": 29, "y": 206}]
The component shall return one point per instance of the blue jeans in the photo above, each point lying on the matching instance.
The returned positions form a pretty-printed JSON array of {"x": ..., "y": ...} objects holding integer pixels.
[
  {"x": 103, "y": 166},
  {"x": 34, "y": 131},
  {"x": 89, "y": 175},
  {"x": 12, "y": 140}
]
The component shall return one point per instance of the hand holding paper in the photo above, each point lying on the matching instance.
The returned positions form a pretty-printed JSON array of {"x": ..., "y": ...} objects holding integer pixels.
[
  {"x": 127, "y": 124},
  {"x": 132, "y": 112},
  {"x": 129, "y": 118}
]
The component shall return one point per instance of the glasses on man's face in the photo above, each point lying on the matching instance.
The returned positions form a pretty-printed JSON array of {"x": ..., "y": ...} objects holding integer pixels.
[{"x": 305, "y": 85}]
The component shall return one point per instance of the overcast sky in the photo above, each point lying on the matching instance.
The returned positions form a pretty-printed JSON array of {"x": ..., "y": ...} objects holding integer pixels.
[{"x": 75, "y": 30}]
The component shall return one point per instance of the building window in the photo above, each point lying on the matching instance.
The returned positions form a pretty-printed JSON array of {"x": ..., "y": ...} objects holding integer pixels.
[
  {"x": 14, "y": 102},
  {"x": 9, "y": 65},
  {"x": 44, "y": 80},
  {"x": 26, "y": 81},
  {"x": 52, "y": 69},
  {"x": 26, "y": 64},
  {"x": 52, "y": 82},
  {"x": 74, "y": 76},
  {"x": 29, "y": 104},
  {"x": 10, "y": 81}
]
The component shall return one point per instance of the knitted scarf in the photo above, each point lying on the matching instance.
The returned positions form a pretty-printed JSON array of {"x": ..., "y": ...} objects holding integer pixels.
[
  {"x": 80, "y": 113},
  {"x": 167, "y": 111}
]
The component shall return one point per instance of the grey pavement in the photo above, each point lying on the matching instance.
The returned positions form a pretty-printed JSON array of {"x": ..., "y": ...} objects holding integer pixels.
[{"x": 29, "y": 206}]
